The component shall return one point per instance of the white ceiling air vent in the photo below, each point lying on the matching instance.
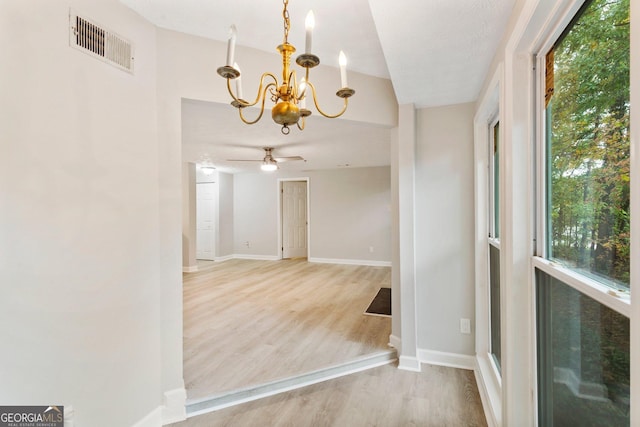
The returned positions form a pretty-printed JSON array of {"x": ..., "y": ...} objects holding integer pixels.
[{"x": 100, "y": 43}]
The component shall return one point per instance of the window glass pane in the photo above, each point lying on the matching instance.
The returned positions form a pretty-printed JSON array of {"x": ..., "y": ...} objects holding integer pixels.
[
  {"x": 496, "y": 181},
  {"x": 583, "y": 359},
  {"x": 494, "y": 282},
  {"x": 588, "y": 144}
]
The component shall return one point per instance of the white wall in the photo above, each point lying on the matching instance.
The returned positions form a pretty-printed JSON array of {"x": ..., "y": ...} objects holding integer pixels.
[
  {"x": 444, "y": 227},
  {"x": 349, "y": 212},
  {"x": 80, "y": 300}
]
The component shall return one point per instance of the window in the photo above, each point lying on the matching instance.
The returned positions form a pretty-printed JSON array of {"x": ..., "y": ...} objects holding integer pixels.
[
  {"x": 582, "y": 275},
  {"x": 494, "y": 165},
  {"x": 494, "y": 305},
  {"x": 588, "y": 144},
  {"x": 583, "y": 354},
  {"x": 494, "y": 243}
]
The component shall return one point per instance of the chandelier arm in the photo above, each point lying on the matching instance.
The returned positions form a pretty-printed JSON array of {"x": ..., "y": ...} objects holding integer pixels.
[
  {"x": 315, "y": 101},
  {"x": 306, "y": 79},
  {"x": 264, "y": 97},
  {"x": 303, "y": 122},
  {"x": 245, "y": 103},
  {"x": 293, "y": 83}
]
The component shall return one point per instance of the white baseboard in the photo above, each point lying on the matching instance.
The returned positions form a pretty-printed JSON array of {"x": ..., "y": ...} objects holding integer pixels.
[
  {"x": 194, "y": 268},
  {"x": 452, "y": 360},
  {"x": 257, "y": 257},
  {"x": 174, "y": 408},
  {"x": 369, "y": 263},
  {"x": 407, "y": 363},
  {"x": 395, "y": 342},
  {"x": 311, "y": 259}
]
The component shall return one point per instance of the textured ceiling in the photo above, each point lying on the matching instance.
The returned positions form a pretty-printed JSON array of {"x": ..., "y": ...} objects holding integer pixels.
[
  {"x": 436, "y": 52},
  {"x": 439, "y": 51}
]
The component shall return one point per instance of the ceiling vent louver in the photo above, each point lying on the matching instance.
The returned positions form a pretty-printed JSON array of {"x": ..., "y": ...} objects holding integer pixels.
[{"x": 100, "y": 43}]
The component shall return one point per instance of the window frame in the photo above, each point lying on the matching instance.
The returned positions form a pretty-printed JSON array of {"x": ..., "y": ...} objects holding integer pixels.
[
  {"x": 494, "y": 234},
  {"x": 599, "y": 292},
  {"x": 487, "y": 111},
  {"x": 493, "y": 237},
  {"x": 512, "y": 87}
]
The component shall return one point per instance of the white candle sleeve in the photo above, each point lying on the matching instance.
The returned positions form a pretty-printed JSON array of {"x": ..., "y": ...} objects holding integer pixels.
[
  {"x": 343, "y": 69},
  {"x": 301, "y": 93},
  {"x": 231, "y": 45},
  {"x": 309, "y": 23},
  {"x": 238, "y": 82}
]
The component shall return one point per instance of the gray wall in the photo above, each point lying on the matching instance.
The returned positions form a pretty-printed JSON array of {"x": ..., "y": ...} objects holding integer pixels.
[
  {"x": 225, "y": 215},
  {"x": 445, "y": 227},
  {"x": 254, "y": 214},
  {"x": 349, "y": 213}
]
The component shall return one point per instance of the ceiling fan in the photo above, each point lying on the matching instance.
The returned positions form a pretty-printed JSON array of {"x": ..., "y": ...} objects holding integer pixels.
[{"x": 269, "y": 163}]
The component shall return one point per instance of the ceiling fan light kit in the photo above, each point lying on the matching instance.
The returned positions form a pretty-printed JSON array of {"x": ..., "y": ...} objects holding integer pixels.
[
  {"x": 269, "y": 167},
  {"x": 270, "y": 163},
  {"x": 205, "y": 165},
  {"x": 289, "y": 96},
  {"x": 207, "y": 170}
]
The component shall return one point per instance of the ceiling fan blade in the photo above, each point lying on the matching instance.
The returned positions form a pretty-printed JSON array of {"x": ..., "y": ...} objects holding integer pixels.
[
  {"x": 244, "y": 160},
  {"x": 287, "y": 159}
]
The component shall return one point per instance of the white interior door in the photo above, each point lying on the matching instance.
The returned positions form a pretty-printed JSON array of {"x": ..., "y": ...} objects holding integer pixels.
[
  {"x": 205, "y": 220},
  {"x": 294, "y": 219}
]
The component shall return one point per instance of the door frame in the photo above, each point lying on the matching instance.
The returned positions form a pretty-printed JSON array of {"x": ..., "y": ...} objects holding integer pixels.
[{"x": 280, "y": 216}]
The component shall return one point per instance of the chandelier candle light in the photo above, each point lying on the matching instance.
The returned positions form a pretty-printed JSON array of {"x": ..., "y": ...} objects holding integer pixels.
[{"x": 289, "y": 97}]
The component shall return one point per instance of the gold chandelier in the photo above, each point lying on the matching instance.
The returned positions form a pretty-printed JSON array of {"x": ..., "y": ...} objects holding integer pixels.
[{"x": 289, "y": 96}]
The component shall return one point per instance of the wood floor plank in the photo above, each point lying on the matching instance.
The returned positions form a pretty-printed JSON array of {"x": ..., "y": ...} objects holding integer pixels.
[
  {"x": 248, "y": 322},
  {"x": 383, "y": 396}
]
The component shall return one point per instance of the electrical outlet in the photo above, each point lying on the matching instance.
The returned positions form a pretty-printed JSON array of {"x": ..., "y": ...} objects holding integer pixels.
[
  {"x": 246, "y": 243},
  {"x": 371, "y": 249},
  {"x": 465, "y": 326}
]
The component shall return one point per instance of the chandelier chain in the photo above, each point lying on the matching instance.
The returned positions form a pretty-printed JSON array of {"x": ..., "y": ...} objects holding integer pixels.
[{"x": 287, "y": 22}]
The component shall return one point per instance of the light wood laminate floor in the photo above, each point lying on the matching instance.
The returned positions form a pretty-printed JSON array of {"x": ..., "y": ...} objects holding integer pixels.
[
  {"x": 249, "y": 322},
  {"x": 383, "y": 397}
]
